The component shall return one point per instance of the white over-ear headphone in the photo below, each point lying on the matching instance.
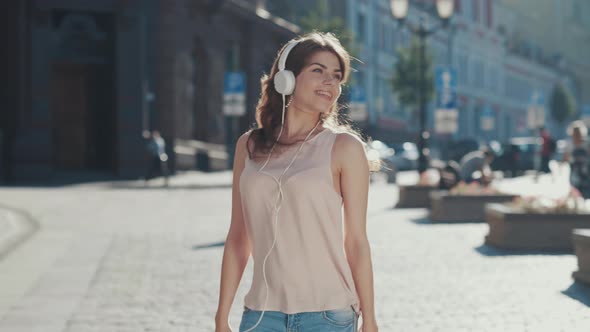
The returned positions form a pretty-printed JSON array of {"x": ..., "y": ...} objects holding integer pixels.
[{"x": 285, "y": 79}]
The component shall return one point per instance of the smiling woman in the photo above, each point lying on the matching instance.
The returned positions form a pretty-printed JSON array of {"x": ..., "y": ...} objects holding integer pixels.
[
  {"x": 320, "y": 66},
  {"x": 299, "y": 202}
]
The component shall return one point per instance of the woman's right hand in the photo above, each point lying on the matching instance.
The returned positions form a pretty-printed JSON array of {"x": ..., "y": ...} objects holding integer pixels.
[{"x": 223, "y": 327}]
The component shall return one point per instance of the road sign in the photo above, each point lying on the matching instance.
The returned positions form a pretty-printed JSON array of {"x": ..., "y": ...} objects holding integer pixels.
[
  {"x": 536, "y": 110},
  {"x": 446, "y": 86},
  {"x": 358, "y": 104},
  {"x": 446, "y": 114},
  {"x": 446, "y": 121},
  {"x": 234, "y": 94},
  {"x": 488, "y": 118}
]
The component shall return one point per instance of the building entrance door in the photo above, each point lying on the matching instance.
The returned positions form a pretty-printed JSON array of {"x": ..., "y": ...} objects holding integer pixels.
[
  {"x": 70, "y": 113},
  {"x": 83, "y": 117}
]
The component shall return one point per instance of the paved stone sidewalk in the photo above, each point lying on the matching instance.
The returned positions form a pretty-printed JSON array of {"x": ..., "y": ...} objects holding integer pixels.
[
  {"x": 128, "y": 257},
  {"x": 15, "y": 228}
]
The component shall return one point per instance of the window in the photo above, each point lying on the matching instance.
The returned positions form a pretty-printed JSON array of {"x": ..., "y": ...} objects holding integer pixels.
[
  {"x": 358, "y": 79},
  {"x": 475, "y": 10},
  {"x": 489, "y": 13},
  {"x": 467, "y": 8},
  {"x": 361, "y": 28},
  {"x": 379, "y": 95},
  {"x": 581, "y": 12},
  {"x": 517, "y": 88},
  {"x": 492, "y": 79},
  {"x": 382, "y": 33},
  {"x": 463, "y": 69},
  {"x": 478, "y": 77}
]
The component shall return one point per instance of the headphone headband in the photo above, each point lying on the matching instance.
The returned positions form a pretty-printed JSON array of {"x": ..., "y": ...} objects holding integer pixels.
[
  {"x": 285, "y": 54},
  {"x": 284, "y": 79}
]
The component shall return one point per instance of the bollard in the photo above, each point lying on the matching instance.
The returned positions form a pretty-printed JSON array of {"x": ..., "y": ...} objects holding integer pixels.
[{"x": 203, "y": 163}]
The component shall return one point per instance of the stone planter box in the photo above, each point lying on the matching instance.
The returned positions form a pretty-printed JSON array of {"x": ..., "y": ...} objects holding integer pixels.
[
  {"x": 414, "y": 196},
  {"x": 581, "y": 239},
  {"x": 516, "y": 229},
  {"x": 445, "y": 207}
]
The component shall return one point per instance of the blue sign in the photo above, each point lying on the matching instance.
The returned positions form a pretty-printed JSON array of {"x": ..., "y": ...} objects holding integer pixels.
[
  {"x": 446, "y": 87},
  {"x": 234, "y": 94},
  {"x": 487, "y": 112},
  {"x": 235, "y": 82}
]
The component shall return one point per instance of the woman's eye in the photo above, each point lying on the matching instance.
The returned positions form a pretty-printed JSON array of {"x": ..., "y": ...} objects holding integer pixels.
[
  {"x": 317, "y": 70},
  {"x": 338, "y": 77}
]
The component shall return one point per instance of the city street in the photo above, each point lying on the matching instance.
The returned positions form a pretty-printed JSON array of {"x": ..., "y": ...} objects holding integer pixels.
[{"x": 122, "y": 256}]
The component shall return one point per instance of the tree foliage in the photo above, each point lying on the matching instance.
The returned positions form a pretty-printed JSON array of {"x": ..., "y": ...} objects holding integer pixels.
[
  {"x": 320, "y": 19},
  {"x": 407, "y": 82},
  {"x": 562, "y": 104}
]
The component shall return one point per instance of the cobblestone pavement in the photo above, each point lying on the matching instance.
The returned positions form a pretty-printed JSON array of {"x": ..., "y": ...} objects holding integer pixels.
[{"x": 124, "y": 257}]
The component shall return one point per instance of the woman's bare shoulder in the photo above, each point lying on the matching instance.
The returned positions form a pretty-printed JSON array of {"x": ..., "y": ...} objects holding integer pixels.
[
  {"x": 242, "y": 143},
  {"x": 348, "y": 141},
  {"x": 348, "y": 146},
  {"x": 243, "y": 139}
]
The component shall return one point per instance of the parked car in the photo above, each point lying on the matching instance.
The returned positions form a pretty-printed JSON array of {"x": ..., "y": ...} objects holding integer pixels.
[
  {"x": 528, "y": 147},
  {"x": 517, "y": 155},
  {"x": 506, "y": 159},
  {"x": 405, "y": 156},
  {"x": 379, "y": 149}
]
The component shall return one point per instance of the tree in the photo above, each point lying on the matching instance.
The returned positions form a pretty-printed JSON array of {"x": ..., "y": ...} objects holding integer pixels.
[
  {"x": 407, "y": 83},
  {"x": 562, "y": 103},
  {"x": 319, "y": 19}
]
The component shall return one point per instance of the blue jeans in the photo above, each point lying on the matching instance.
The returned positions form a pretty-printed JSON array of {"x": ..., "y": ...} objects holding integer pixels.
[{"x": 342, "y": 320}]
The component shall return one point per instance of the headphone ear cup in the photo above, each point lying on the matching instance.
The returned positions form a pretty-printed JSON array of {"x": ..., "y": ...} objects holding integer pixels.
[{"x": 284, "y": 82}]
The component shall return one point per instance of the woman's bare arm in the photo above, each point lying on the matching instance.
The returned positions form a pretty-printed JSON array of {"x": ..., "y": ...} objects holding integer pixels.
[
  {"x": 237, "y": 246},
  {"x": 354, "y": 184}
]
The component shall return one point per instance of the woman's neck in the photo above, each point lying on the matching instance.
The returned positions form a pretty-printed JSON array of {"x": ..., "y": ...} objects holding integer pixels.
[{"x": 299, "y": 124}]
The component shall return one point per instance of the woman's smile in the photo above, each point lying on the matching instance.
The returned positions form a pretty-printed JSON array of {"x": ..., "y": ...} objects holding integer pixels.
[{"x": 324, "y": 94}]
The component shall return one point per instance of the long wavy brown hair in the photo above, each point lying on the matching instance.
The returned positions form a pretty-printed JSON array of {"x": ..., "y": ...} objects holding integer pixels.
[
  {"x": 269, "y": 108},
  {"x": 270, "y": 104}
]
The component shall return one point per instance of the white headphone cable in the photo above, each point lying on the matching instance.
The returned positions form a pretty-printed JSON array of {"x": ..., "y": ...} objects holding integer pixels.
[{"x": 278, "y": 202}]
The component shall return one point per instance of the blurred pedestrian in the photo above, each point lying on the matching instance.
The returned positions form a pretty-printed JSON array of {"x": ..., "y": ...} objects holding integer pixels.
[
  {"x": 157, "y": 157},
  {"x": 475, "y": 166},
  {"x": 577, "y": 154},
  {"x": 548, "y": 147},
  {"x": 450, "y": 174},
  {"x": 511, "y": 158},
  {"x": 302, "y": 213}
]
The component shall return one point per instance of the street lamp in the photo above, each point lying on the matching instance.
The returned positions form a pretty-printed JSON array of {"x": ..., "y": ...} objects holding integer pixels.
[{"x": 399, "y": 10}]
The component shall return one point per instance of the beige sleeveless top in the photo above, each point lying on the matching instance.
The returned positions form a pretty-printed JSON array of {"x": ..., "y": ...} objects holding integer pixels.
[{"x": 307, "y": 269}]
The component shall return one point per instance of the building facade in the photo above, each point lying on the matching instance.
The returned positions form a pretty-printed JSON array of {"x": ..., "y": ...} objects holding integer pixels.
[
  {"x": 495, "y": 78},
  {"x": 87, "y": 78},
  {"x": 555, "y": 33}
]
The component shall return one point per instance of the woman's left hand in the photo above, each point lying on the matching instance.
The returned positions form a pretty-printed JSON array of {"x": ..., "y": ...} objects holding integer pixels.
[{"x": 369, "y": 326}]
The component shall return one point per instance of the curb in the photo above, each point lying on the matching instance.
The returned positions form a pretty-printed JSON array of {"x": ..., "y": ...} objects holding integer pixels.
[{"x": 21, "y": 226}]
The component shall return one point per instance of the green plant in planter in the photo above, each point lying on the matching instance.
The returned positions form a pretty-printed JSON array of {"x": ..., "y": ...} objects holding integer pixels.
[{"x": 572, "y": 203}]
